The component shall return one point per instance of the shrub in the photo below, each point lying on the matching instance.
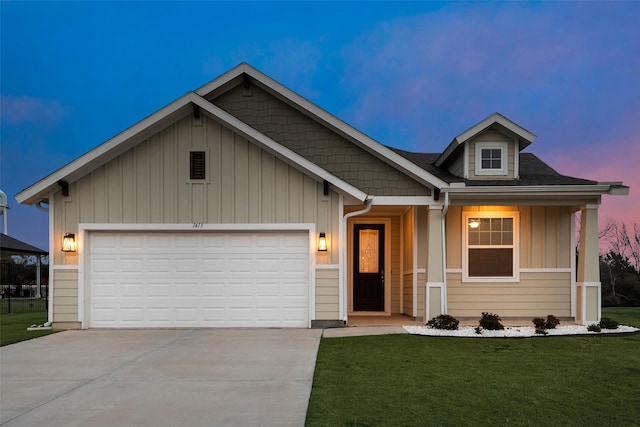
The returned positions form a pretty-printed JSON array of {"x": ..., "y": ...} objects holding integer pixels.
[
  {"x": 540, "y": 324},
  {"x": 491, "y": 322},
  {"x": 593, "y": 328},
  {"x": 608, "y": 323},
  {"x": 552, "y": 322},
  {"x": 444, "y": 321},
  {"x": 478, "y": 330}
]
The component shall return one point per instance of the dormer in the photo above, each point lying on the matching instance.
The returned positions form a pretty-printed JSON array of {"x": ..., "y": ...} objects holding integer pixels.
[{"x": 487, "y": 151}]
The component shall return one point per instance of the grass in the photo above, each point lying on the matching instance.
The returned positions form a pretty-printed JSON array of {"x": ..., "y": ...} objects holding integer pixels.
[
  {"x": 625, "y": 315},
  {"x": 13, "y": 327},
  {"x": 403, "y": 380}
]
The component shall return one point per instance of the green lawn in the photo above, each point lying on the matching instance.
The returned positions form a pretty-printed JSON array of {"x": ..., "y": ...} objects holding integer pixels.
[
  {"x": 22, "y": 305},
  {"x": 624, "y": 315},
  {"x": 403, "y": 380},
  {"x": 13, "y": 327}
]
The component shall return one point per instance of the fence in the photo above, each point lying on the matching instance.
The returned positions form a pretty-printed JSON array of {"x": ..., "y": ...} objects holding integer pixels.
[{"x": 19, "y": 290}]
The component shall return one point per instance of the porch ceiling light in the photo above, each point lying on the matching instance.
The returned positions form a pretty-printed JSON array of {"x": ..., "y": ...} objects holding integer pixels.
[
  {"x": 69, "y": 243},
  {"x": 322, "y": 242},
  {"x": 474, "y": 222}
]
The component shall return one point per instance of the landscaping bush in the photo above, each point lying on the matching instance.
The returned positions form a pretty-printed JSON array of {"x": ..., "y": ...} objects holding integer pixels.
[
  {"x": 593, "y": 328},
  {"x": 444, "y": 321},
  {"x": 608, "y": 323},
  {"x": 491, "y": 322},
  {"x": 540, "y": 324},
  {"x": 552, "y": 322}
]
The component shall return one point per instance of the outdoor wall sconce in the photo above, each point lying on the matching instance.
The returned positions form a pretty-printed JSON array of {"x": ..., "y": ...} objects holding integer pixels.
[
  {"x": 322, "y": 242},
  {"x": 474, "y": 223},
  {"x": 69, "y": 243}
]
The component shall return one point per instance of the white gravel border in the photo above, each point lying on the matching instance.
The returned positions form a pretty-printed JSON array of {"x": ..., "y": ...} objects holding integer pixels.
[{"x": 514, "y": 331}]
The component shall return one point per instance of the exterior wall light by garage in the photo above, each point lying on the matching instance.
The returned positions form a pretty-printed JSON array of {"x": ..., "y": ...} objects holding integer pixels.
[
  {"x": 69, "y": 243},
  {"x": 322, "y": 242},
  {"x": 474, "y": 223}
]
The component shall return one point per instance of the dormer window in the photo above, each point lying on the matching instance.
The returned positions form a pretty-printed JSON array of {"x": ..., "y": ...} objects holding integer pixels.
[{"x": 491, "y": 158}]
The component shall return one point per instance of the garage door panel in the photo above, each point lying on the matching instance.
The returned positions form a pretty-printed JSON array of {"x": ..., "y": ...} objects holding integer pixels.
[{"x": 204, "y": 279}]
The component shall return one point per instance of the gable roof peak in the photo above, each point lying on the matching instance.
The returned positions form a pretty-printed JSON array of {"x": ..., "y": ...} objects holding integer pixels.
[{"x": 524, "y": 136}]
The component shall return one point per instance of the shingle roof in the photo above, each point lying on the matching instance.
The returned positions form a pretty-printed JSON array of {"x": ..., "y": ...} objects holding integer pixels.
[
  {"x": 11, "y": 246},
  {"x": 533, "y": 171}
]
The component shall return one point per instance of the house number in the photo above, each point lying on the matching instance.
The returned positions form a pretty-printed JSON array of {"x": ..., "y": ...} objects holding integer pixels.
[{"x": 197, "y": 225}]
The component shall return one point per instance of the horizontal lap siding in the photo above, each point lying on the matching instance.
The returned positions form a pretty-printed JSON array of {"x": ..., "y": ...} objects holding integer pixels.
[
  {"x": 327, "y": 294},
  {"x": 65, "y": 295},
  {"x": 537, "y": 294}
]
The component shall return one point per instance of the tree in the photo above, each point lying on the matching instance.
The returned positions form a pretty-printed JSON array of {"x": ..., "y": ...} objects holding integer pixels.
[{"x": 620, "y": 265}]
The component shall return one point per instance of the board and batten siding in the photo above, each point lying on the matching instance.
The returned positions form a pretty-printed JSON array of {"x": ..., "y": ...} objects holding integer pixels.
[{"x": 150, "y": 184}]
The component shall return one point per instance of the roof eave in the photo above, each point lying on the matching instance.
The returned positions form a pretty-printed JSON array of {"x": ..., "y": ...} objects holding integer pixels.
[{"x": 106, "y": 151}]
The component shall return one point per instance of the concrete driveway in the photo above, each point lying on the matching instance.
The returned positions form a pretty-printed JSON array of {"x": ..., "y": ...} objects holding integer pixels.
[{"x": 204, "y": 377}]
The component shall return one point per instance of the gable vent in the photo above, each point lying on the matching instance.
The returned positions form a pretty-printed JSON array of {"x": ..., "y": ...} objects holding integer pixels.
[{"x": 197, "y": 165}]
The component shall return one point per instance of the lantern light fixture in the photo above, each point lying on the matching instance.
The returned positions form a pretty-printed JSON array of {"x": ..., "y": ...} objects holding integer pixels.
[
  {"x": 322, "y": 242},
  {"x": 69, "y": 243}
]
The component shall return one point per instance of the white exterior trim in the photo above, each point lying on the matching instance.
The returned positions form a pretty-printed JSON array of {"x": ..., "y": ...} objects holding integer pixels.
[
  {"x": 583, "y": 297},
  {"x": 415, "y": 263},
  {"x": 342, "y": 259},
  {"x": 387, "y": 265},
  {"x": 504, "y": 164},
  {"x": 443, "y": 298},
  {"x": 573, "y": 264},
  {"x": 454, "y": 270},
  {"x": 327, "y": 266},
  {"x": 466, "y": 161},
  {"x": 52, "y": 258},
  {"x": 402, "y": 200},
  {"x": 83, "y": 259},
  {"x": 515, "y": 215}
]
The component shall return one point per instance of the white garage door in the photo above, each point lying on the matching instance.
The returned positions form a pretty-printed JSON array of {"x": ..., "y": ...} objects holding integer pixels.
[{"x": 198, "y": 279}]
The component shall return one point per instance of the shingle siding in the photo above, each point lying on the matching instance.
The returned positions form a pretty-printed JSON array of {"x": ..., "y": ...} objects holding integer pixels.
[{"x": 318, "y": 144}]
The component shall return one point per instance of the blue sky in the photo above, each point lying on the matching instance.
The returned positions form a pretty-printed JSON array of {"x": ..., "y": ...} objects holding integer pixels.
[{"x": 411, "y": 75}]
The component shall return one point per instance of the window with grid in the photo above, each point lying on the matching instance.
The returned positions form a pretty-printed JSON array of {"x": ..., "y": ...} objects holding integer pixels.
[
  {"x": 491, "y": 158},
  {"x": 490, "y": 247}
]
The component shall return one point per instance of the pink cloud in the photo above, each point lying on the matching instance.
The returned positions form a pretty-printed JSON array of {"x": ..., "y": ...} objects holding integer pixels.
[{"x": 17, "y": 110}]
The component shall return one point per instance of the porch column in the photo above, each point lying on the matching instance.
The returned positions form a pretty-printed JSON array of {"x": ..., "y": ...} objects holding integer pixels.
[
  {"x": 588, "y": 283},
  {"x": 436, "y": 291}
]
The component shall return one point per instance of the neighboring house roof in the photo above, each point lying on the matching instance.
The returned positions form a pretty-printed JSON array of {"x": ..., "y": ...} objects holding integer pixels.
[{"x": 10, "y": 246}]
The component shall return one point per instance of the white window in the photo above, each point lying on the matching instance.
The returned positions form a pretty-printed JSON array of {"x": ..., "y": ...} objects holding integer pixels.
[
  {"x": 490, "y": 248},
  {"x": 491, "y": 158}
]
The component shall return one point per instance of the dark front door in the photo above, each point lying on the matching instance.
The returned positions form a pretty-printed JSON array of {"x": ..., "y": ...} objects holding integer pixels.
[{"x": 368, "y": 267}]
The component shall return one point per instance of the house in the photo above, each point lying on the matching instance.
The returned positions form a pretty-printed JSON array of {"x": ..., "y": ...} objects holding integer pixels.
[{"x": 244, "y": 204}]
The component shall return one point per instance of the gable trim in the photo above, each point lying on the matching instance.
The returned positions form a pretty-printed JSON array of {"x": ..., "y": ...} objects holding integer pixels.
[
  {"x": 154, "y": 123},
  {"x": 353, "y": 135},
  {"x": 524, "y": 135}
]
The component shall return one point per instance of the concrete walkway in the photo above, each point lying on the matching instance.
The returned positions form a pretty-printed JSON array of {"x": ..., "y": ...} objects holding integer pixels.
[{"x": 205, "y": 377}]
